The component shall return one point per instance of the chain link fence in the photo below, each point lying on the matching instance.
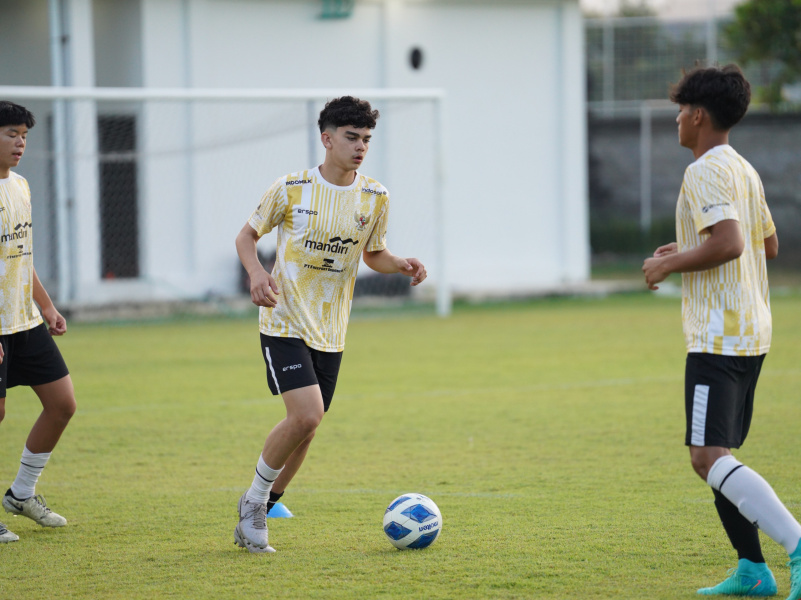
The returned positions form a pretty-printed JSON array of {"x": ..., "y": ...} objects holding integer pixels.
[{"x": 635, "y": 162}]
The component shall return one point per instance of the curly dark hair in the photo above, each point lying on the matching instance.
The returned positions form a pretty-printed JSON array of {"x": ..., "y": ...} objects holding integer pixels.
[
  {"x": 723, "y": 91},
  {"x": 14, "y": 114},
  {"x": 347, "y": 110}
]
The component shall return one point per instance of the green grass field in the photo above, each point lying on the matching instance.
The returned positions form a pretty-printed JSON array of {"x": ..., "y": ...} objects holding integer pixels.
[{"x": 550, "y": 434}]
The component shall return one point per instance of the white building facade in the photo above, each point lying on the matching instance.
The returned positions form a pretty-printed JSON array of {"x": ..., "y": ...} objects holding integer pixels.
[{"x": 498, "y": 165}]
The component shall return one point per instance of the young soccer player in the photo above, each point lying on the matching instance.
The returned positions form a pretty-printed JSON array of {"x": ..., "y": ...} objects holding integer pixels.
[
  {"x": 327, "y": 218},
  {"x": 724, "y": 236},
  {"x": 28, "y": 354}
]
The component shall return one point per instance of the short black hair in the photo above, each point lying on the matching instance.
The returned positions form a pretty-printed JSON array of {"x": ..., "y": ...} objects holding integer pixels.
[
  {"x": 723, "y": 91},
  {"x": 347, "y": 110},
  {"x": 14, "y": 114}
]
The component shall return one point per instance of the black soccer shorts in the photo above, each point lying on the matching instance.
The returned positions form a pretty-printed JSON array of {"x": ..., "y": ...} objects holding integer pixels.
[
  {"x": 291, "y": 364},
  {"x": 30, "y": 357},
  {"x": 719, "y": 398}
]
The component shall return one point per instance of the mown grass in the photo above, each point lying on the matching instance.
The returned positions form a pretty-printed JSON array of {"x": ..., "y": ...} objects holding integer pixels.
[{"x": 550, "y": 434}]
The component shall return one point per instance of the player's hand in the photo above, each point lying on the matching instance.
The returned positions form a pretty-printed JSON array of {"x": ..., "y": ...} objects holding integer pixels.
[
  {"x": 654, "y": 271},
  {"x": 56, "y": 324},
  {"x": 2, "y": 354},
  {"x": 667, "y": 249},
  {"x": 411, "y": 267},
  {"x": 263, "y": 289}
]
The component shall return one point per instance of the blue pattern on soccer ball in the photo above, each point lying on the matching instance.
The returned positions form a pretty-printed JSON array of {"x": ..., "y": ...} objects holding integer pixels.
[
  {"x": 418, "y": 513},
  {"x": 398, "y": 501},
  {"x": 423, "y": 541},
  {"x": 397, "y": 531}
]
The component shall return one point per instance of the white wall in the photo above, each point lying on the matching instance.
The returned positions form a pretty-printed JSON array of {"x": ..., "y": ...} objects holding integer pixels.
[
  {"x": 515, "y": 144},
  {"x": 515, "y": 149},
  {"x": 515, "y": 102}
]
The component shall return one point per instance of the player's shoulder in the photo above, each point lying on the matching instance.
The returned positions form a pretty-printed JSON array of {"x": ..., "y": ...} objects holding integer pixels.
[
  {"x": 18, "y": 181},
  {"x": 715, "y": 162},
  {"x": 16, "y": 178},
  {"x": 296, "y": 178},
  {"x": 369, "y": 185}
]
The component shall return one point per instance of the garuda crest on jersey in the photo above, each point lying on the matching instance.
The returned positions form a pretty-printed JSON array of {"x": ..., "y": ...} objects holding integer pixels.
[{"x": 362, "y": 220}]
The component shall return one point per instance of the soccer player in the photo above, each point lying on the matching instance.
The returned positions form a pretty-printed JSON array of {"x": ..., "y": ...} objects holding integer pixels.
[
  {"x": 28, "y": 354},
  {"x": 725, "y": 233},
  {"x": 327, "y": 218}
]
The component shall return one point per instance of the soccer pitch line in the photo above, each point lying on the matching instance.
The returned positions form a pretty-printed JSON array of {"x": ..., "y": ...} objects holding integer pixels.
[{"x": 436, "y": 393}]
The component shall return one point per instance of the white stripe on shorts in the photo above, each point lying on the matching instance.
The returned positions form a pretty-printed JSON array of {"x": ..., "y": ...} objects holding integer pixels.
[
  {"x": 700, "y": 401},
  {"x": 272, "y": 371}
]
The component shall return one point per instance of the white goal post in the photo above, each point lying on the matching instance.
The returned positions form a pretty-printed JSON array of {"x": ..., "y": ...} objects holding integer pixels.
[{"x": 160, "y": 174}]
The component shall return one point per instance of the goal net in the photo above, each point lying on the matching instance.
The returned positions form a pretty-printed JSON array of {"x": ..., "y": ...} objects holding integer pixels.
[{"x": 138, "y": 194}]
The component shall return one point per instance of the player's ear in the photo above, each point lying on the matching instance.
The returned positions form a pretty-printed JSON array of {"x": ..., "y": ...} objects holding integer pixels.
[{"x": 325, "y": 137}]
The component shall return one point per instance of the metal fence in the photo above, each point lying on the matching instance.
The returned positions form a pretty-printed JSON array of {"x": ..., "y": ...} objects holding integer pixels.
[
  {"x": 635, "y": 162},
  {"x": 636, "y": 58}
]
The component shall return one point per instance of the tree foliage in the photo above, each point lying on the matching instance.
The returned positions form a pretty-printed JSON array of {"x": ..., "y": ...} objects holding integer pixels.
[{"x": 769, "y": 31}]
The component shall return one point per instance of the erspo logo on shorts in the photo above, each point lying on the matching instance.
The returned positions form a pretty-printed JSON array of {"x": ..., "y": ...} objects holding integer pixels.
[{"x": 292, "y": 367}]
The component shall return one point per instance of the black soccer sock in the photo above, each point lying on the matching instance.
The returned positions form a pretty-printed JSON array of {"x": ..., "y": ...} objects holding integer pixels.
[
  {"x": 742, "y": 533},
  {"x": 273, "y": 499}
]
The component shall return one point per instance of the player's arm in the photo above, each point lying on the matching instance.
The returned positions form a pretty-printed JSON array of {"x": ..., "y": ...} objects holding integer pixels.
[
  {"x": 771, "y": 247},
  {"x": 725, "y": 243},
  {"x": 55, "y": 322},
  {"x": 384, "y": 261},
  {"x": 263, "y": 289}
]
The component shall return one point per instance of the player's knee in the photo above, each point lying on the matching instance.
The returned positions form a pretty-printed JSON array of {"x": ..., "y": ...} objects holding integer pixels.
[
  {"x": 2, "y": 410},
  {"x": 63, "y": 410},
  {"x": 700, "y": 465},
  {"x": 306, "y": 423}
]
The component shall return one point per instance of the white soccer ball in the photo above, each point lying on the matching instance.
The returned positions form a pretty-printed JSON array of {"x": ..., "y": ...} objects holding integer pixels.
[{"x": 412, "y": 521}]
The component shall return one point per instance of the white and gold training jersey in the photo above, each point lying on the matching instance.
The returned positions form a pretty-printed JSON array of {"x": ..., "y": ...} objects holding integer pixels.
[
  {"x": 322, "y": 230},
  {"x": 17, "y": 309},
  {"x": 726, "y": 310}
]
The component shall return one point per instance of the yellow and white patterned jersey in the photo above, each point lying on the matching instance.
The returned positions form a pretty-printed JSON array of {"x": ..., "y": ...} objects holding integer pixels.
[
  {"x": 725, "y": 310},
  {"x": 17, "y": 309},
  {"x": 322, "y": 230}
]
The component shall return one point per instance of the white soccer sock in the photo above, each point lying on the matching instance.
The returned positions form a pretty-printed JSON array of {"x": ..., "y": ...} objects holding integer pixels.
[
  {"x": 262, "y": 482},
  {"x": 755, "y": 499},
  {"x": 30, "y": 468}
]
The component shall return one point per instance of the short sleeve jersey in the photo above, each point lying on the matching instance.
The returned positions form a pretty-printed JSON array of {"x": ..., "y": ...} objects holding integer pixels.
[
  {"x": 322, "y": 230},
  {"x": 725, "y": 310},
  {"x": 17, "y": 309}
]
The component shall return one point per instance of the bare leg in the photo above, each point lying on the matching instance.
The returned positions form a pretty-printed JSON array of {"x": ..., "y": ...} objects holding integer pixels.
[
  {"x": 58, "y": 406},
  {"x": 304, "y": 411},
  {"x": 703, "y": 457},
  {"x": 292, "y": 465}
]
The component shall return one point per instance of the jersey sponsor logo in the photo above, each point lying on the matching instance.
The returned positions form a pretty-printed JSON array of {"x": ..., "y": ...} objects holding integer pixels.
[
  {"x": 362, "y": 220},
  {"x": 335, "y": 245},
  {"x": 298, "y": 181},
  {"x": 21, "y": 250},
  {"x": 20, "y": 233},
  {"x": 375, "y": 192},
  {"x": 306, "y": 211},
  {"x": 709, "y": 207},
  {"x": 328, "y": 265}
]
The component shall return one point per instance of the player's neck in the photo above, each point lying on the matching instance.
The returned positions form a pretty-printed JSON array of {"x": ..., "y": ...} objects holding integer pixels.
[
  {"x": 337, "y": 176},
  {"x": 5, "y": 173},
  {"x": 708, "y": 140}
]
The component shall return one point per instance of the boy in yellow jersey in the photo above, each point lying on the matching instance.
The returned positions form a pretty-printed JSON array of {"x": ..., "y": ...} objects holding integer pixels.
[
  {"x": 28, "y": 354},
  {"x": 725, "y": 233},
  {"x": 327, "y": 218}
]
